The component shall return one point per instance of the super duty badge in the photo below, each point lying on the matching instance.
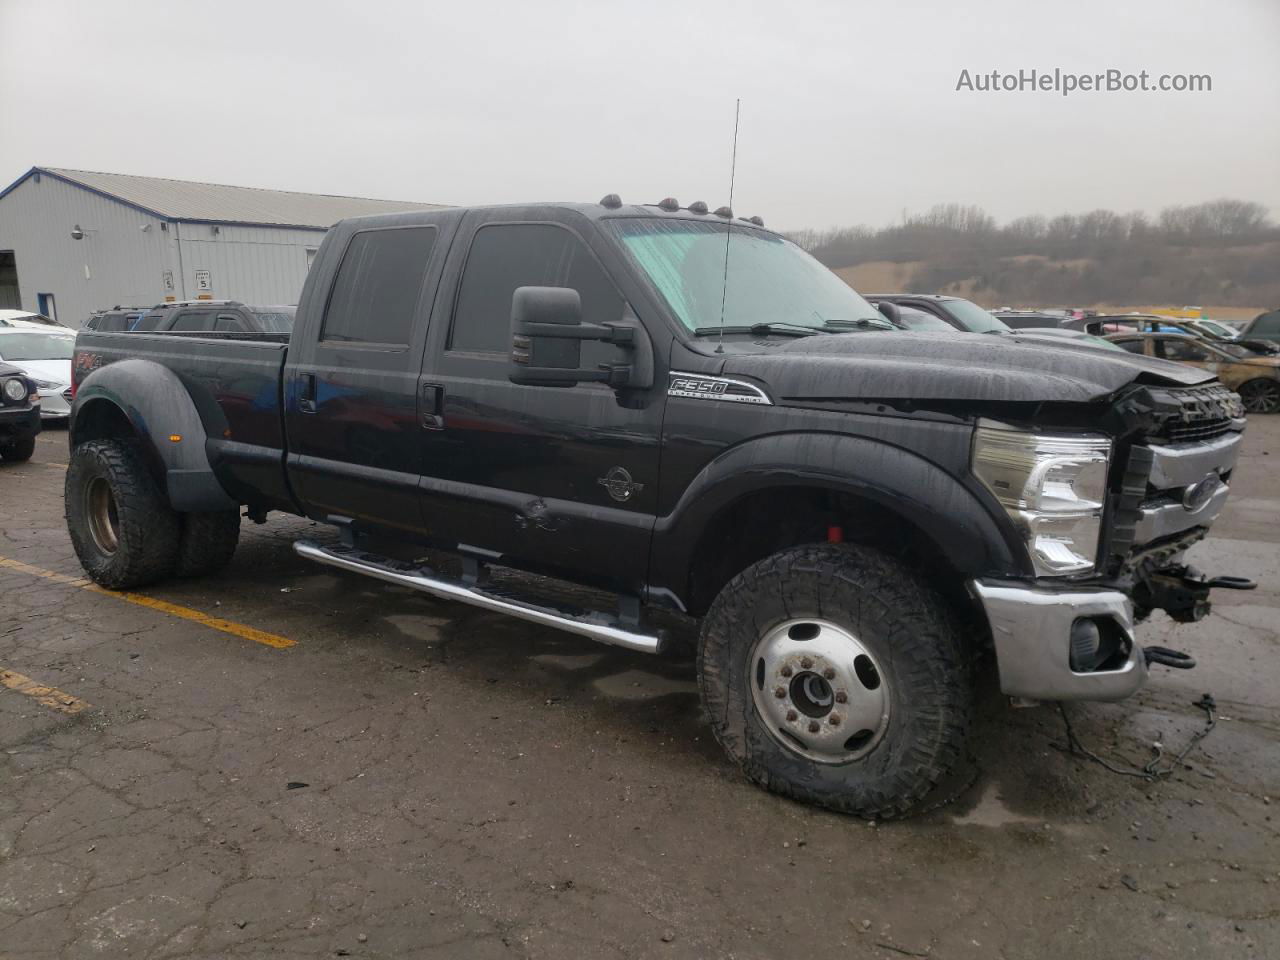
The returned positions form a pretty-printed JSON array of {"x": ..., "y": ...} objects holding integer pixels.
[{"x": 700, "y": 387}]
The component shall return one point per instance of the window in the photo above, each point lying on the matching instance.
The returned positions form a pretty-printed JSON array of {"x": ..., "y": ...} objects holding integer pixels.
[
  {"x": 1133, "y": 346},
  {"x": 375, "y": 294},
  {"x": 1268, "y": 323},
  {"x": 229, "y": 322},
  {"x": 506, "y": 256},
  {"x": 1182, "y": 350},
  {"x": 191, "y": 320}
]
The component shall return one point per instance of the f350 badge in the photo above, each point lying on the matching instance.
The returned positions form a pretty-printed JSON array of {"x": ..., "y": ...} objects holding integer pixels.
[{"x": 619, "y": 484}]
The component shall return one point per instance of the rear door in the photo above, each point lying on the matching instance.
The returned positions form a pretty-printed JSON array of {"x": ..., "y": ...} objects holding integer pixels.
[
  {"x": 558, "y": 479},
  {"x": 351, "y": 400}
]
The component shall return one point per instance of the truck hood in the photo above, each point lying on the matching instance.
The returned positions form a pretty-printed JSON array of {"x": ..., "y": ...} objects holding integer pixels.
[{"x": 953, "y": 367}]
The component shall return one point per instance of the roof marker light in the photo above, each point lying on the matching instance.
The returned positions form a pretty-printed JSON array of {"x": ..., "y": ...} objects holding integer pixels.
[
  {"x": 611, "y": 201},
  {"x": 697, "y": 207},
  {"x": 724, "y": 212},
  {"x": 758, "y": 221},
  {"x": 669, "y": 204}
]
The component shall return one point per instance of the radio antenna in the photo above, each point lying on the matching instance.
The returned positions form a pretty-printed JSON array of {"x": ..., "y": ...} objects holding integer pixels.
[{"x": 733, "y": 169}]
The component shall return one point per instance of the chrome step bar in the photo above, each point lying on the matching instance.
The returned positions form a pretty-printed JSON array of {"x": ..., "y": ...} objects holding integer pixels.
[{"x": 593, "y": 626}]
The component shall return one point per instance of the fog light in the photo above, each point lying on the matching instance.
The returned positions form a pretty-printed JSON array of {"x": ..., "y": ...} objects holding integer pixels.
[{"x": 1086, "y": 640}]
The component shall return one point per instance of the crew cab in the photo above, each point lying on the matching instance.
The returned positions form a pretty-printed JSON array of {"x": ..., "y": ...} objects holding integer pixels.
[{"x": 684, "y": 411}]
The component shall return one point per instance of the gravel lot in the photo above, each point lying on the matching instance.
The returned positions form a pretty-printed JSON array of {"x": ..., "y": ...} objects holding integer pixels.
[{"x": 337, "y": 767}]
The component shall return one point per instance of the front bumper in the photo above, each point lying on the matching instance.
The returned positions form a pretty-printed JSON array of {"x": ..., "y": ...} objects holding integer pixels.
[
  {"x": 1031, "y": 628},
  {"x": 16, "y": 423}
]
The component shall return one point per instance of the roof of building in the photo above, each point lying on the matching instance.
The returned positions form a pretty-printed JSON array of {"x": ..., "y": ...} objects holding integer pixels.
[{"x": 194, "y": 202}]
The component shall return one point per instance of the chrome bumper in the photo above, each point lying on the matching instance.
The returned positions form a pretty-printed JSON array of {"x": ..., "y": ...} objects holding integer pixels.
[{"x": 1031, "y": 627}]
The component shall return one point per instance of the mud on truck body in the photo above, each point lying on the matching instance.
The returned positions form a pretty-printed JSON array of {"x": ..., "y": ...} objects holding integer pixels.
[{"x": 849, "y": 512}]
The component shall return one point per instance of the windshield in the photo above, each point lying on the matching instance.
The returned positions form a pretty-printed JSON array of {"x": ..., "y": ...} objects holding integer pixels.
[
  {"x": 914, "y": 319},
  {"x": 1220, "y": 329},
  {"x": 275, "y": 320},
  {"x": 973, "y": 318},
  {"x": 36, "y": 346},
  {"x": 770, "y": 280}
]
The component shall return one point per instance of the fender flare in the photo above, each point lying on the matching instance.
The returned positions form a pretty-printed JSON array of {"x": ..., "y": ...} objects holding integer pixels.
[
  {"x": 157, "y": 406},
  {"x": 967, "y": 532}
]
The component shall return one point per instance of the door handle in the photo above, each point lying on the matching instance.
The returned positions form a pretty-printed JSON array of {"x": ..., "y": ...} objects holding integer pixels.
[
  {"x": 307, "y": 393},
  {"x": 432, "y": 405}
]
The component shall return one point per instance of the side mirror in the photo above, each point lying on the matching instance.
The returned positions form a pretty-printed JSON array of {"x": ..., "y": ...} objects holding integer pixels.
[
  {"x": 547, "y": 332},
  {"x": 891, "y": 312}
]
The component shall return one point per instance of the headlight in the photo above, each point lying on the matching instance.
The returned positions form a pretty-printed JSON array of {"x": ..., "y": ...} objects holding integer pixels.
[
  {"x": 1053, "y": 488},
  {"x": 47, "y": 385},
  {"x": 15, "y": 389}
]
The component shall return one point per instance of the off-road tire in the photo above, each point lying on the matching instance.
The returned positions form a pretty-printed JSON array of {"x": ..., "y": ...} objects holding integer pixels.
[
  {"x": 145, "y": 527},
  {"x": 206, "y": 542},
  {"x": 18, "y": 450},
  {"x": 915, "y": 640}
]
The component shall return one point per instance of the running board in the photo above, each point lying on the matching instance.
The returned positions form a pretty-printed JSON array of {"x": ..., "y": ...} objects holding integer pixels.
[{"x": 593, "y": 625}]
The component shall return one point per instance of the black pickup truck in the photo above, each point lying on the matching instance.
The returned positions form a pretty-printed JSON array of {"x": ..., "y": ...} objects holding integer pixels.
[{"x": 587, "y": 392}]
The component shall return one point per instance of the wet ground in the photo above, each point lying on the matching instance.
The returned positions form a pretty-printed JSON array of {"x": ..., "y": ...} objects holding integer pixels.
[{"x": 290, "y": 761}]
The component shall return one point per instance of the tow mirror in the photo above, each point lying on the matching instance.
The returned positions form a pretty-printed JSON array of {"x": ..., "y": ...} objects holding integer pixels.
[
  {"x": 890, "y": 311},
  {"x": 547, "y": 331}
]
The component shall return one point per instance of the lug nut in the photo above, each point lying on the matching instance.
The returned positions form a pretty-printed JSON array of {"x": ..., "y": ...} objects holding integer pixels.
[
  {"x": 786, "y": 671},
  {"x": 806, "y": 663},
  {"x": 841, "y": 697},
  {"x": 814, "y": 726},
  {"x": 834, "y": 720},
  {"x": 791, "y": 716},
  {"x": 829, "y": 674},
  {"x": 780, "y": 692}
]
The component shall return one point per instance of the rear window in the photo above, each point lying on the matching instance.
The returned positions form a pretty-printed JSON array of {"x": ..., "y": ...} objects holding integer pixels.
[{"x": 375, "y": 293}]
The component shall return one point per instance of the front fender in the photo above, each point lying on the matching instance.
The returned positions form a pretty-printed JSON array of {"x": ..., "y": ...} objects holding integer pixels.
[
  {"x": 156, "y": 405},
  {"x": 966, "y": 532}
]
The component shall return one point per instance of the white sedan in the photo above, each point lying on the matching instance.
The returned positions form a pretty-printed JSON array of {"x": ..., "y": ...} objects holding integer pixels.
[{"x": 45, "y": 356}]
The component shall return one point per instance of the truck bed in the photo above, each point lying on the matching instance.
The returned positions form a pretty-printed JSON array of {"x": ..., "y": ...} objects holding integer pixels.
[{"x": 235, "y": 381}]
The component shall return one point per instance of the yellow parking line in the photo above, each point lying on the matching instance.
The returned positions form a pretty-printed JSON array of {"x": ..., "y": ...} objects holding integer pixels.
[
  {"x": 173, "y": 609},
  {"x": 51, "y": 697}
]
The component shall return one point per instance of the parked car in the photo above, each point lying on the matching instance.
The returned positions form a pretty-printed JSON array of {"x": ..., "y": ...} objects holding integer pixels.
[
  {"x": 45, "y": 356},
  {"x": 579, "y": 391},
  {"x": 1031, "y": 319},
  {"x": 216, "y": 316},
  {"x": 25, "y": 318},
  {"x": 1061, "y": 335},
  {"x": 116, "y": 320},
  {"x": 1265, "y": 326},
  {"x": 1210, "y": 330},
  {"x": 19, "y": 414},
  {"x": 1255, "y": 378},
  {"x": 960, "y": 314}
]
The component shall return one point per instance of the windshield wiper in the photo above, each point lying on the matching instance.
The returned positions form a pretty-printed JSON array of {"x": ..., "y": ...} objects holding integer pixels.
[
  {"x": 762, "y": 329},
  {"x": 862, "y": 323}
]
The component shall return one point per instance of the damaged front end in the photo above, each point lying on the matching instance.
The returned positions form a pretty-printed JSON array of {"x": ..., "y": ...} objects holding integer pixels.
[{"x": 1170, "y": 475}]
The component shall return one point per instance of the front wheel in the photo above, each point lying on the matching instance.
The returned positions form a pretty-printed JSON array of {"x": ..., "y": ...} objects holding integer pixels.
[
  {"x": 832, "y": 675},
  {"x": 1261, "y": 396},
  {"x": 122, "y": 528}
]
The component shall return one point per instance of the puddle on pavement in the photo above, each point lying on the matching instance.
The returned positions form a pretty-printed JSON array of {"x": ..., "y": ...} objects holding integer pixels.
[
  {"x": 639, "y": 685},
  {"x": 990, "y": 811},
  {"x": 568, "y": 661}
]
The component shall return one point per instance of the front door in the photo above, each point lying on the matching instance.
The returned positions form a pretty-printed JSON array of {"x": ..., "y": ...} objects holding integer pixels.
[
  {"x": 558, "y": 479},
  {"x": 351, "y": 390}
]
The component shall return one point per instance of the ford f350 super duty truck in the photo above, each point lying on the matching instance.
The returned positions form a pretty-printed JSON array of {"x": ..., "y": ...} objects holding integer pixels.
[{"x": 587, "y": 392}]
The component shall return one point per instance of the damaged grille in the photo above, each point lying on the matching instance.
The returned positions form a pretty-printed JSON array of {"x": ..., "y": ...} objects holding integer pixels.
[{"x": 1172, "y": 482}]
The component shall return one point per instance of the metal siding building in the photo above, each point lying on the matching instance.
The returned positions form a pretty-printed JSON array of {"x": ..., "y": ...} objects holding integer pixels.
[{"x": 145, "y": 239}]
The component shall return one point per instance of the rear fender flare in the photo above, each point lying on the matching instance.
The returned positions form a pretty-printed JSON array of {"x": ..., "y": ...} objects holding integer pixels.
[{"x": 157, "y": 406}]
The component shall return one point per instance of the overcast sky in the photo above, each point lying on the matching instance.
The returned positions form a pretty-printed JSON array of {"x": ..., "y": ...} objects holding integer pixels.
[{"x": 850, "y": 112}]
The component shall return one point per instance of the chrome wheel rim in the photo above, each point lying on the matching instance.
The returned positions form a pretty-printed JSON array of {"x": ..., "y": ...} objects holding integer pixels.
[
  {"x": 104, "y": 520},
  {"x": 1260, "y": 397},
  {"x": 818, "y": 690}
]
